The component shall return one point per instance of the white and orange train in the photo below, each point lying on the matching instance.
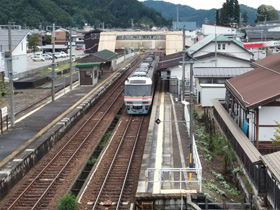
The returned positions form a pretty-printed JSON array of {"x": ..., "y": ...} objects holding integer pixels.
[{"x": 139, "y": 86}]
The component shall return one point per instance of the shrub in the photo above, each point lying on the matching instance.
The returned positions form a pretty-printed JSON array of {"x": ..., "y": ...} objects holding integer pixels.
[{"x": 67, "y": 202}]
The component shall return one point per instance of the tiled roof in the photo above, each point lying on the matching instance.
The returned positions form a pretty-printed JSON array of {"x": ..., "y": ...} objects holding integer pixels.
[{"x": 258, "y": 87}]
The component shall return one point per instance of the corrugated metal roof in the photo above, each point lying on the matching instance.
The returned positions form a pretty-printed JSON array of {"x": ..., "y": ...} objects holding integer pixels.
[
  {"x": 17, "y": 37},
  {"x": 106, "y": 55},
  {"x": 220, "y": 72},
  {"x": 258, "y": 87},
  {"x": 272, "y": 161}
]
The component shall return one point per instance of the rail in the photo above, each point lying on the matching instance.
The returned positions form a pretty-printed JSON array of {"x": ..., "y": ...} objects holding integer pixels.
[{"x": 37, "y": 178}]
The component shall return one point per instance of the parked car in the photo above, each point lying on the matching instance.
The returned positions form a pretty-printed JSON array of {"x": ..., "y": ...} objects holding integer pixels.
[
  {"x": 36, "y": 54},
  {"x": 63, "y": 54},
  {"x": 38, "y": 58},
  {"x": 79, "y": 48},
  {"x": 57, "y": 55},
  {"x": 47, "y": 56}
]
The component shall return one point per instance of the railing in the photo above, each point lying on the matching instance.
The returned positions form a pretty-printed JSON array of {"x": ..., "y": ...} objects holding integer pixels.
[
  {"x": 242, "y": 146},
  {"x": 196, "y": 159},
  {"x": 175, "y": 179}
]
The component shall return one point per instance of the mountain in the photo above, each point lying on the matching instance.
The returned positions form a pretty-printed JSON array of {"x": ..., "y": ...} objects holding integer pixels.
[
  {"x": 189, "y": 14},
  {"x": 114, "y": 13}
]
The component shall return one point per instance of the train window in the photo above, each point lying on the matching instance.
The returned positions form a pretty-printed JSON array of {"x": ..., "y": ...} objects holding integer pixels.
[{"x": 137, "y": 90}]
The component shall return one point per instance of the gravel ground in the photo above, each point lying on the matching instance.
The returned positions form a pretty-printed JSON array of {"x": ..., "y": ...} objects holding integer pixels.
[{"x": 24, "y": 98}]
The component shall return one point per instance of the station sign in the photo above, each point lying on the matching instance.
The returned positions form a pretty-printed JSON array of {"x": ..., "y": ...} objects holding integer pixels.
[{"x": 4, "y": 111}]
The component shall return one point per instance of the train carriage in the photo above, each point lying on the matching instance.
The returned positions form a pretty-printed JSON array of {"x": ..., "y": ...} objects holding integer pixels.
[{"x": 139, "y": 86}]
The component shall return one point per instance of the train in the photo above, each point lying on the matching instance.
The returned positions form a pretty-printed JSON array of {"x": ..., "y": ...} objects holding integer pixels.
[{"x": 139, "y": 86}]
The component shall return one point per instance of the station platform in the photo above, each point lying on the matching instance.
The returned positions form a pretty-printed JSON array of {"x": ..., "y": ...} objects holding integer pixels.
[
  {"x": 165, "y": 164},
  {"x": 29, "y": 128}
]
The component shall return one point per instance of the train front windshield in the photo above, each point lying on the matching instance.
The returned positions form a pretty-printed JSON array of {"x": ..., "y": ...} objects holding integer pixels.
[{"x": 137, "y": 90}]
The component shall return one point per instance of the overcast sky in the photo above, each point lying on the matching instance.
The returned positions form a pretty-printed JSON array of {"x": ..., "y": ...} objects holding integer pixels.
[{"x": 209, "y": 4}]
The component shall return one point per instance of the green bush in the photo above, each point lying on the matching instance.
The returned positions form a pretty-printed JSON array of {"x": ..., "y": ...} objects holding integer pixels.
[{"x": 67, "y": 202}]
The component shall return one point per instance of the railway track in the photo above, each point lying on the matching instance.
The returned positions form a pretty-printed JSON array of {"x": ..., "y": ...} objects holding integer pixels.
[
  {"x": 114, "y": 182},
  {"x": 51, "y": 172}
]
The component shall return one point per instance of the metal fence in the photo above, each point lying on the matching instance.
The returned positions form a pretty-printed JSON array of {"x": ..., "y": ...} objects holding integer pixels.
[{"x": 247, "y": 153}]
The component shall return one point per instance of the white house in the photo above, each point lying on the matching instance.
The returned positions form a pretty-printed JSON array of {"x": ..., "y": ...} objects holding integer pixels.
[
  {"x": 19, "y": 48},
  {"x": 213, "y": 52}
]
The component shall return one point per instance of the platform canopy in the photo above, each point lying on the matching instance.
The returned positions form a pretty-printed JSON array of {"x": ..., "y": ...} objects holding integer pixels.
[{"x": 86, "y": 65}]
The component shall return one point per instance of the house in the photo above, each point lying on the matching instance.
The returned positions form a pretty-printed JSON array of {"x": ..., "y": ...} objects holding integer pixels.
[
  {"x": 19, "y": 49},
  {"x": 210, "y": 82},
  {"x": 107, "y": 59},
  {"x": 248, "y": 118},
  {"x": 212, "y": 52},
  {"x": 253, "y": 101},
  {"x": 60, "y": 36}
]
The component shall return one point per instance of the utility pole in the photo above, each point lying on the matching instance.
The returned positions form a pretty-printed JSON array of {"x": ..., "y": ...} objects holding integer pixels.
[
  {"x": 53, "y": 63},
  {"x": 11, "y": 76},
  {"x": 183, "y": 67},
  {"x": 71, "y": 59},
  {"x": 191, "y": 113}
]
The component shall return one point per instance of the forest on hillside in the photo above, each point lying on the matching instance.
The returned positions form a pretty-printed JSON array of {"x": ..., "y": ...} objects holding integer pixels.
[{"x": 75, "y": 13}]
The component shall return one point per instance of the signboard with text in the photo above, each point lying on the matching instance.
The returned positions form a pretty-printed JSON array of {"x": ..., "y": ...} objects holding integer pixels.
[
  {"x": 4, "y": 111},
  {"x": 2, "y": 62}
]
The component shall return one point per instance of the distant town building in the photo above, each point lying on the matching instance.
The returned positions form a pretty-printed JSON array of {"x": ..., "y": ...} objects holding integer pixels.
[
  {"x": 264, "y": 31},
  {"x": 190, "y": 26}
]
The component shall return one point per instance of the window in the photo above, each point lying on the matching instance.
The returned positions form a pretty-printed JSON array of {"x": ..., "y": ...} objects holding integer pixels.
[
  {"x": 219, "y": 46},
  {"x": 95, "y": 74},
  {"x": 224, "y": 46}
]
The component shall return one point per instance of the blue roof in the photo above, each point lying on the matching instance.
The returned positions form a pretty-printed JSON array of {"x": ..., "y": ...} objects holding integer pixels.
[{"x": 190, "y": 26}]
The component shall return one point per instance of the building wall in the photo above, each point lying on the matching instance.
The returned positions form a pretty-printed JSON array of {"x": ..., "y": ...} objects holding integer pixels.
[
  {"x": 210, "y": 92},
  {"x": 211, "y": 29},
  {"x": 267, "y": 117},
  {"x": 19, "y": 60},
  {"x": 230, "y": 48}
]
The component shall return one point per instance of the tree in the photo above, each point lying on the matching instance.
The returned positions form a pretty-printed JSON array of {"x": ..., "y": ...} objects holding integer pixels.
[
  {"x": 33, "y": 42},
  {"x": 229, "y": 13},
  {"x": 244, "y": 17},
  {"x": 217, "y": 16},
  {"x": 266, "y": 13},
  {"x": 67, "y": 202},
  {"x": 47, "y": 40},
  {"x": 276, "y": 139}
]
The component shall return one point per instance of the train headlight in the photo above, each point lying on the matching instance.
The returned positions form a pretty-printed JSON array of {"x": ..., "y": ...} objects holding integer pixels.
[
  {"x": 145, "y": 102},
  {"x": 129, "y": 102}
]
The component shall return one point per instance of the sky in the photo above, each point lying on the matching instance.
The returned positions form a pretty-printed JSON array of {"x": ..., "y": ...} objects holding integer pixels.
[{"x": 209, "y": 4}]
